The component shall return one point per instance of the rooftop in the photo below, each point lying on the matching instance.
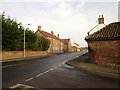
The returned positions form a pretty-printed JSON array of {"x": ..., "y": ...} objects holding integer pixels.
[
  {"x": 109, "y": 32},
  {"x": 49, "y": 35},
  {"x": 65, "y": 41}
]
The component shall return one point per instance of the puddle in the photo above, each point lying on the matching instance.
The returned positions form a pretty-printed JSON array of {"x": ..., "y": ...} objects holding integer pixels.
[{"x": 67, "y": 66}]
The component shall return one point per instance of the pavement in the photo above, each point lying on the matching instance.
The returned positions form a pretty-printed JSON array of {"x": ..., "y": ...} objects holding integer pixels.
[
  {"x": 26, "y": 58},
  {"x": 93, "y": 68}
]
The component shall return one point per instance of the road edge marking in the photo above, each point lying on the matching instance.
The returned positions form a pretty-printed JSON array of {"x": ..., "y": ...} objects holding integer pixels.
[{"x": 13, "y": 65}]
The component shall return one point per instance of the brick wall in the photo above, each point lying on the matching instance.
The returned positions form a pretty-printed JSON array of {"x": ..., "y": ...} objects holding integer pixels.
[
  {"x": 69, "y": 47},
  {"x": 105, "y": 52},
  {"x": 55, "y": 46},
  {"x": 19, "y": 54}
]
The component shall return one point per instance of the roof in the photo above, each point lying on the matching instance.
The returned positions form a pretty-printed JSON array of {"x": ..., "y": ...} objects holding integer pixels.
[
  {"x": 65, "y": 41},
  {"x": 76, "y": 44},
  {"x": 110, "y": 32},
  {"x": 96, "y": 28},
  {"x": 46, "y": 34}
]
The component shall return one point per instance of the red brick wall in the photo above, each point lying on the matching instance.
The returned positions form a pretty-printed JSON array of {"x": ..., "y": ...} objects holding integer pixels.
[
  {"x": 55, "y": 46},
  {"x": 19, "y": 54},
  {"x": 69, "y": 47},
  {"x": 105, "y": 52}
]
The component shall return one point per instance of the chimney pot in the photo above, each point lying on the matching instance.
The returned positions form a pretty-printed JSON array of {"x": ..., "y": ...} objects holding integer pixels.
[
  {"x": 102, "y": 16},
  {"x": 39, "y": 28},
  {"x": 101, "y": 19},
  {"x": 58, "y": 35},
  {"x": 52, "y": 32}
]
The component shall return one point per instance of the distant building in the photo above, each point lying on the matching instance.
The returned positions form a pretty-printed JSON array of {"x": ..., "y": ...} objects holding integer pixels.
[
  {"x": 83, "y": 48},
  {"x": 104, "y": 45},
  {"x": 66, "y": 45},
  {"x": 55, "y": 42},
  {"x": 75, "y": 47}
]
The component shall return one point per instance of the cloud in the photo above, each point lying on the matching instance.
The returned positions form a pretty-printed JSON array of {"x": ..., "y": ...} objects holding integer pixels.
[
  {"x": 67, "y": 21},
  {"x": 69, "y": 18}
]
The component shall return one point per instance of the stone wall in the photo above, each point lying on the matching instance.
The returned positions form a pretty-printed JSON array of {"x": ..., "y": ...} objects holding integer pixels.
[
  {"x": 20, "y": 54},
  {"x": 105, "y": 52}
]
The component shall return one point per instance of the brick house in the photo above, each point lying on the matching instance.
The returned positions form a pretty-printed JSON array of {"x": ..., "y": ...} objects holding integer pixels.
[
  {"x": 55, "y": 42},
  {"x": 66, "y": 45},
  {"x": 75, "y": 47},
  {"x": 104, "y": 45}
]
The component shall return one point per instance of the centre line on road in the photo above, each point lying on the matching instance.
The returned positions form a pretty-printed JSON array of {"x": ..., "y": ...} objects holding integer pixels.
[
  {"x": 39, "y": 75},
  {"x": 51, "y": 69},
  {"x": 28, "y": 79},
  {"x": 46, "y": 71},
  {"x": 60, "y": 65}
]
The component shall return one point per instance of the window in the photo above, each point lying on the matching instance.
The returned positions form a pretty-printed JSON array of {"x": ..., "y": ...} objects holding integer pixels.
[{"x": 56, "y": 43}]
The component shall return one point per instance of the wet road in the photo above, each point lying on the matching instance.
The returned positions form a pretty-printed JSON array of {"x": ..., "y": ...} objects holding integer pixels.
[{"x": 52, "y": 72}]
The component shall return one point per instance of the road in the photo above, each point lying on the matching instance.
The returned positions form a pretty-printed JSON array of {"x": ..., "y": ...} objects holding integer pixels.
[{"x": 51, "y": 72}]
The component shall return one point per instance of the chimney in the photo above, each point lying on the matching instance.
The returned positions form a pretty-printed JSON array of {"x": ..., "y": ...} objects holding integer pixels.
[
  {"x": 39, "y": 28},
  {"x": 52, "y": 32},
  {"x": 58, "y": 35},
  {"x": 101, "y": 19}
]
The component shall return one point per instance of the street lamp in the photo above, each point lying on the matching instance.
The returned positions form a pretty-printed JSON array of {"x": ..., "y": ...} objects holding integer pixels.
[{"x": 24, "y": 40}]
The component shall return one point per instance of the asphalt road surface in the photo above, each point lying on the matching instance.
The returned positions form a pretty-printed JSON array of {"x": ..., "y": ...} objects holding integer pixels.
[{"x": 51, "y": 72}]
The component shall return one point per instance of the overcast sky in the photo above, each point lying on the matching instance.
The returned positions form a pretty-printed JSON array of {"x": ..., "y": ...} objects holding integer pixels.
[{"x": 68, "y": 18}]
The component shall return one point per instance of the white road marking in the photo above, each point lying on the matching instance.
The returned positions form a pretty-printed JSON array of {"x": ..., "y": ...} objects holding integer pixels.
[
  {"x": 60, "y": 65},
  {"x": 15, "y": 86},
  {"x": 77, "y": 56},
  {"x": 19, "y": 85},
  {"x": 51, "y": 69},
  {"x": 28, "y": 79},
  {"x": 39, "y": 75},
  {"x": 36, "y": 75},
  {"x": 55, "y": 67},
  {"x": 46, "y": 71},
  {"x": 13, "y": 65}
]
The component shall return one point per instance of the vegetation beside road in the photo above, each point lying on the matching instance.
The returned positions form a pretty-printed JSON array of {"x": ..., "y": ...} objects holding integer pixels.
[{"x": 13, "y": 37}]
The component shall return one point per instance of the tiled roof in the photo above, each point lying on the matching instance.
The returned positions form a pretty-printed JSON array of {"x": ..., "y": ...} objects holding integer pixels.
[
  {"x": 65, "y": 41},
  {"x": 46, "y": 34},
  {"x": 76, "y": 44},
  {"x": 110, "y": 32}
]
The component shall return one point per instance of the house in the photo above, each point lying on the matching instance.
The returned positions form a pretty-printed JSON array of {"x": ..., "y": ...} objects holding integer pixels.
[
  {"x": 62, "y": 47},
  {"x": 75, "y": 47},
  {"x": 98, "y": 26},
  {"x": 66, "y": 45},
  {"x": 104, "y": 45},
  {"x": 55, "y": 45}
]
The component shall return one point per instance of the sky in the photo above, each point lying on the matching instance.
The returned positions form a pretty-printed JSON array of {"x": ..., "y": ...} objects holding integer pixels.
[{"x": 68, "y": 18}]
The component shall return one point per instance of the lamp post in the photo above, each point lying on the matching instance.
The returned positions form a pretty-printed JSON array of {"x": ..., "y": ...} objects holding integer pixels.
[{"x": 24, "y": 40}]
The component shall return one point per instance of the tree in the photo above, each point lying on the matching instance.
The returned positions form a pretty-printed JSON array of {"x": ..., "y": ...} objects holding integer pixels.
[
  {"x": 43, "y": 43},
  {"x": 11, "y": 34},
  {"x": 30, "y": 40},
  {"x": 13, "y": 37}
]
